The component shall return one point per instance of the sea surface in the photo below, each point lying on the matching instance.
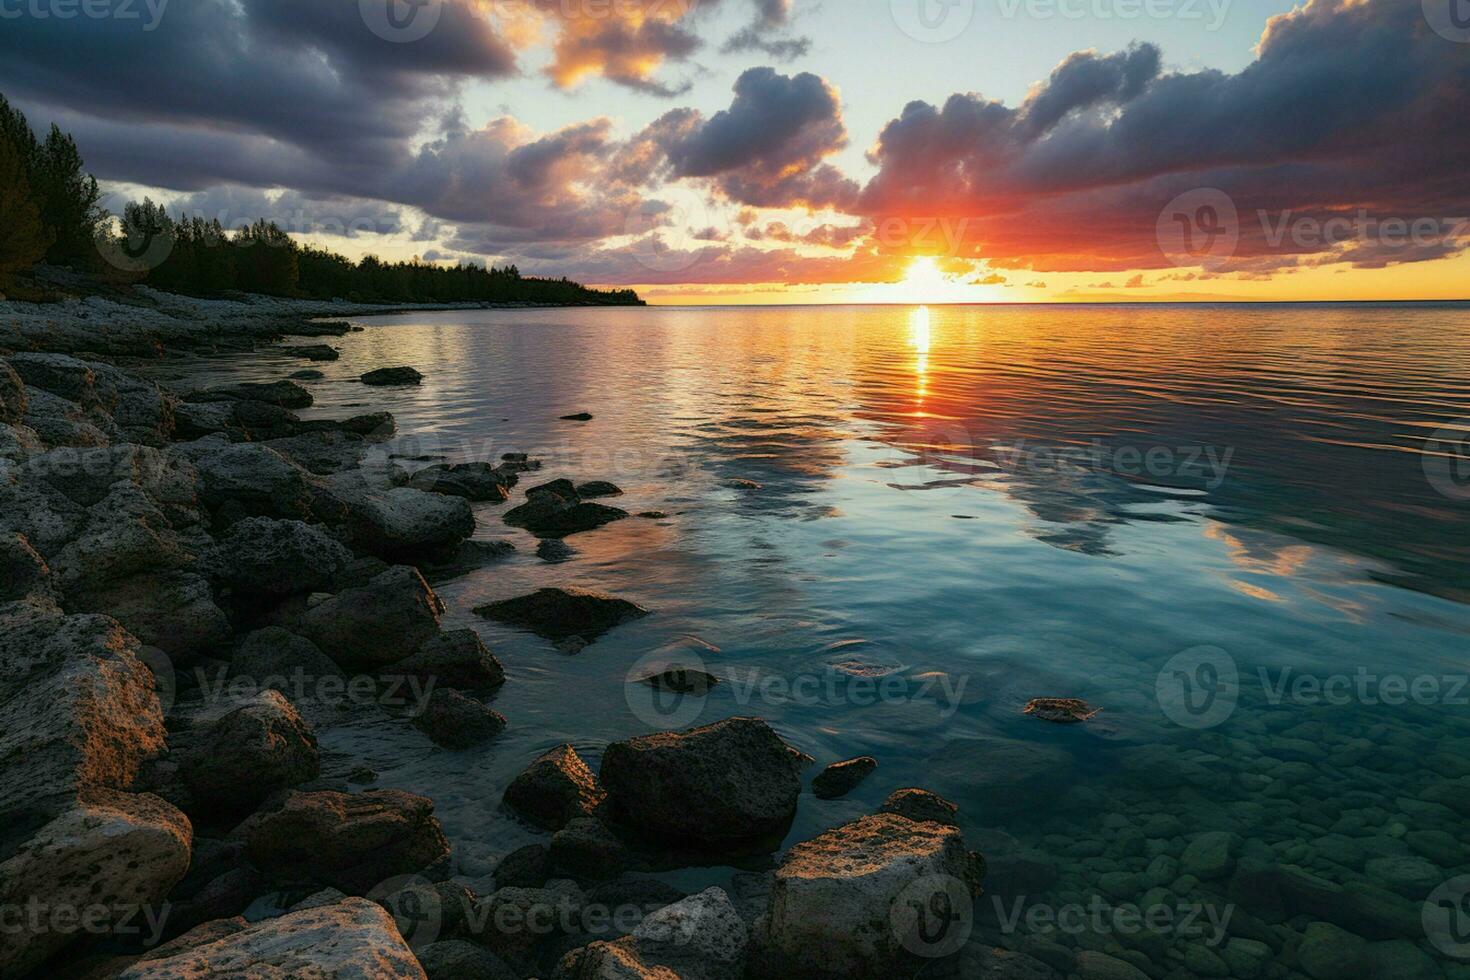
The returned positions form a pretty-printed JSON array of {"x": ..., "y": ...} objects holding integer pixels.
[{"x": 1243, "y": 532}]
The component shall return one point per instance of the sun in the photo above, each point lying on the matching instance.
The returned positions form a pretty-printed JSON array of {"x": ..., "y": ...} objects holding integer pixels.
[{"x": 925, "y": 282}]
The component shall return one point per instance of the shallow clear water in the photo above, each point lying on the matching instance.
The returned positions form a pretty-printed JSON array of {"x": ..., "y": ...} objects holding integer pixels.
[{"x": 978, "y": 506}]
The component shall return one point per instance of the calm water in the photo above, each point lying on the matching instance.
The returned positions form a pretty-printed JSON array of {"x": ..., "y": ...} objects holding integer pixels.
[{"x": 978, "y": 506}]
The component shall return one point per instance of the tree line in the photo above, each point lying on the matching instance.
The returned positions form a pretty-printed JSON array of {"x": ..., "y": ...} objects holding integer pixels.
[{"x": 50, "y": 212}]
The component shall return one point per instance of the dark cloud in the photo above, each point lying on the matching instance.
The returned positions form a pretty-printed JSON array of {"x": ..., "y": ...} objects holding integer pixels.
[
  {"x": 767, "y": 149},
  {"x": 1349, "y": 105}
]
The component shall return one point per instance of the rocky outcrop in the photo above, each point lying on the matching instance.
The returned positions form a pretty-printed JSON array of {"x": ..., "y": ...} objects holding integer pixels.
[
  {"x": 454, "y": 658},
  {"x": 472, "y": 481},
  {"x": 353, "y": 939},
  {"x": 455, "y": 721},
  {"x": 392, "y": 377},
  {"x": 701, "y": 937},
  {"x": 350, "y": 842},
  {"x": 555, "y": 789},
  {"x": 847, "y": 903},
  {"x": 245, "y": 479},
  {"x": 404, "y": 522},
  {"x": 841, "y": 778},
  {"x": 128, "y": 408},
  {"x": 725, "y": 786},
  {"x": 108, "y": 855},
  {"x": 173, "y": 611},
  {"x": 80, "y": 712},
  {"x": 378, "y": 624},
  {"x": 564, "y": 614},
  {"x": 261, "y": 558}
]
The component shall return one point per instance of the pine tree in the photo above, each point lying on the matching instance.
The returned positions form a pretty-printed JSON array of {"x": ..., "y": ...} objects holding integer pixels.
[
  {"x": 68, "y": 200},
  {"x": 23, "y": 239}
]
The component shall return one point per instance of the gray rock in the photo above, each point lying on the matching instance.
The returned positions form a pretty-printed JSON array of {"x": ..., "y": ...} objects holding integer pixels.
[
  {"x": 277, "y": 659},
  {"x": 397, "y": 376},
  {"x": 587, "y": 849},
  {"x": 111, "y": 850},
  {"x": 472, "y": 481},
  {"x": 378, "y": 624},
  {"x": 1330, "y": 953},
  {"x": 454, "y": 721},
  {"x": 723, "y": 786},
  {"x": 286, "y": 394},
  {"x": 251, "y": 477},
  {"x": 264, "y": 559},
  {"x": 454, "y": 658},
  {"x": 839, "y": 900},
  {"x": 560, "y": 614},
  {"x": 173, "y": 611},
  {"x": 841, "y": 778},
  {"x": 701, "y": 937},
  {"x": 1094, "y": 965},
  {"x": 350, "y": 842},
  {"x": 555, "y": 789},
  {"x": 1210, "y": 855},
  {"x": 525, "y": 867},
  {"x": 455, "y": 959},
  {"x": 598, "y": 488},
  {"x": 22, "y": 569},
  {"x": 404, "y": 521},
  {"x": 232, "y": 758},
  {"x": 352, "y": 940},
  {"x": 920, "y": 804}
]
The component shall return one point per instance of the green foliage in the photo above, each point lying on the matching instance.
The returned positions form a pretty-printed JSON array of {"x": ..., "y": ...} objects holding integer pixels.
[
  {"x": 49, "y": 205},
  {"x": 23, "y": 239}
]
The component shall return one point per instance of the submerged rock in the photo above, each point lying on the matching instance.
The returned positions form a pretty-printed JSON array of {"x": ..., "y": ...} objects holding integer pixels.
[
  {"x": 395, "y": 376},
  {"x": 920, "y": 804},
  {"x": 1061, "y": 711},
  {"x": 351, "y": 940},
  {"x": 350, "y": 842},
  {"x": 111, "y": 850},
  {"x": 454, "y": 721},
  {"x": 555, "y": 789},
  {"x": 598, "y": 488},
  {"x": 840, "y": 903},
  {"x": 841, "y": 778},
  {"x": 724, "y": 786},
  {"x": 559, "y": 614}
]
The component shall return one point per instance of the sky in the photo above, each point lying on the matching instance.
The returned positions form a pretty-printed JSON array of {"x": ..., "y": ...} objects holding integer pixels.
[{"x": 797, "y": 151}]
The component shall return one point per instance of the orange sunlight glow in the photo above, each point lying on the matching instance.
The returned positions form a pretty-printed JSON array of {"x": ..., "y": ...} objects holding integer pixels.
[{"x": 925, "y": 282}]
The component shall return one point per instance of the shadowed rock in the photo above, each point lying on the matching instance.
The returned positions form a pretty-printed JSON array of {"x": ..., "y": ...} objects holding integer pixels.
[
  {"x": 560, "y": 614},
  {"x": 455, "y": 721},
  {"x": 286, "y": 394},
  {"x": 473, "y": 481},
  {"x": 841, "y": 778},
  {"x": 456, "y": 659},
  {"x": 556, "y": 788},
  {"x": 723, "y": 786},
  {"x": 392, "y": 377},
  {"x": 313, "y": 352},
  {"x": 920, "y": 804},
  {"x": 381, "y": 623}
]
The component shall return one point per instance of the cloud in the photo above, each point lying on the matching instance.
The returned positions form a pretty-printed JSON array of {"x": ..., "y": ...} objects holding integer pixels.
[
  {"x": 767, "y": 149},
  {"x": 1349, "y": 105}
]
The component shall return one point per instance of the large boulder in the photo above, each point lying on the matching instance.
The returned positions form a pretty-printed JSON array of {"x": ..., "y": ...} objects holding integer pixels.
[
  {"x": 286, "y": 394},
  {"x": 455, "y": 721},
  {"x": 106, "y": 856},
  {"x": 377, "y": 624},
  {"x": 349, "y": 842},
  {"x": 726, "y": 785},
  {"x": 454, "y": 658},
  {"x": 564, "y": 614},
  {"x": 124, "y": 535},
  {"x": 555, "y": 789},
  {"x": 264, "y": 558},
  {"x": 139, "y": 409},
  {"x": 404, "y": 522},
  {"x": 354, "y": 939},
  {"x": 847, "y": 903},
  {"x": 250, "y": 478},
  {"x": 232, "y": 757},
  {"x": 173, "y": 611},
  {"x": 701, "y": 937},
  {"x": 80, "y": 710}
]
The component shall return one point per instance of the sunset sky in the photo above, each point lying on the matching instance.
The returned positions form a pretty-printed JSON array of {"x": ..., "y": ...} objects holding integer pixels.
[{"x": 759, "y": 151}]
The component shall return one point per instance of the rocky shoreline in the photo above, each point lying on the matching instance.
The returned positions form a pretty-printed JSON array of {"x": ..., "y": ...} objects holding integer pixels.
[{"x": 157, "y": 823}]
